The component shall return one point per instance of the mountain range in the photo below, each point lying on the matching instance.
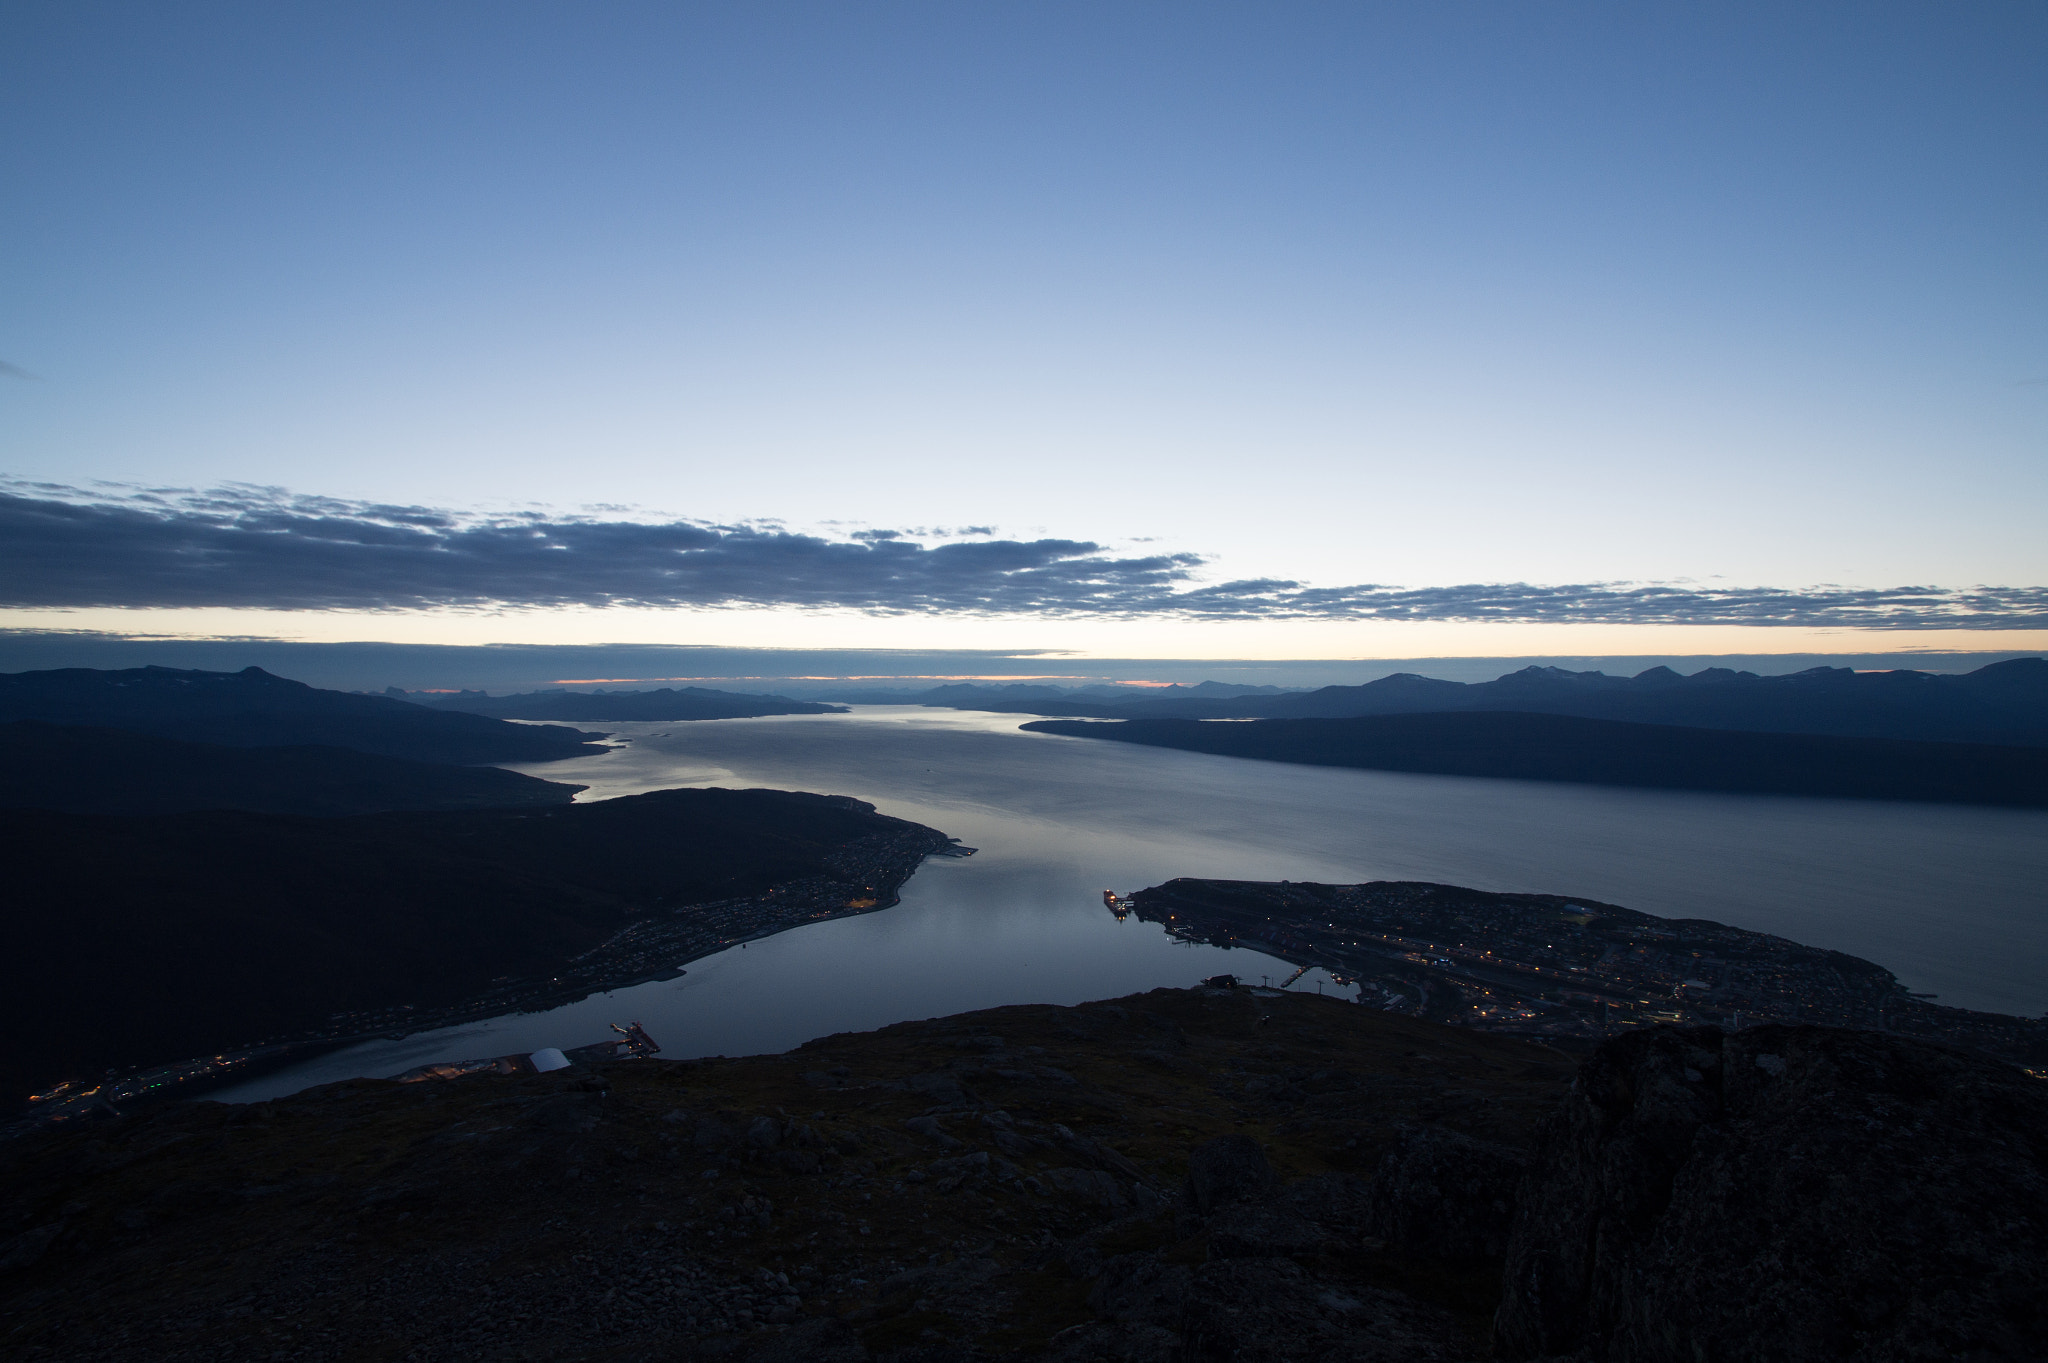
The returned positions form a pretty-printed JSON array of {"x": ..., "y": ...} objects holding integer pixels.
[
  {"x": 969, "y": 695},
  {"x": 2004, "y": 703},
  {"x": 613, "y": 707},
  {"x": 1536, "y": 747}
]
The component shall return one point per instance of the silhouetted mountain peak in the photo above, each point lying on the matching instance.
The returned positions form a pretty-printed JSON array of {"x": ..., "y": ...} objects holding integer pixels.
[
  {"x": 2014, "y": 674},
  {"x": 1552, "y": 677}
]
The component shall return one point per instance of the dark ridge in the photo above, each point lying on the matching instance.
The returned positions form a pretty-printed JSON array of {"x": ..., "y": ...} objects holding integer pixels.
[
  {"x": 77, "y": 770},
  {"x": 133, "y": 941},
  {"x": 1534, "y": 747},
  {"x": 1181, "y": 1176},
  {"x": 252, "y": 708},
  {"x": 2004, "y": 703},
  {"x": 613, "y": 707}
]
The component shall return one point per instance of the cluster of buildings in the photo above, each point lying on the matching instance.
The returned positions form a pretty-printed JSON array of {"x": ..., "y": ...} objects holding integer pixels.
[{"x": 1549, "y": 966}]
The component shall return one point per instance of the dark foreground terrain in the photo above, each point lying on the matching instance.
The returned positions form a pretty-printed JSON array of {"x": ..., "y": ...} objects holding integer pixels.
[
  {"x": 1201, "y": 1174},
  {"x": 139, "y": 941},
  {"x": 1534, "y": 747}
]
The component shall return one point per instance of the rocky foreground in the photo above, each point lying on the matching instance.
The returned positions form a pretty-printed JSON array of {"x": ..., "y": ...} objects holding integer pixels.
[{"x": 1181, "y": 1175}]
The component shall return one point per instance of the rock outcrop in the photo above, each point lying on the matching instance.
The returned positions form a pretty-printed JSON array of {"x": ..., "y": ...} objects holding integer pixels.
[
  {"x": 1785, "y": 1193},
  {"x": 1316, "y": 1183},
  {"x": 1445, "y": 1196}
]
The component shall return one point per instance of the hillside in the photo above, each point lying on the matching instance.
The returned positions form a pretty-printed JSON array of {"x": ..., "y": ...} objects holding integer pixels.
[
  {"x": 1534, "y": 747},
  {"x": 77, "y": 770},
  {"x": 137, "y": 941},
  {"x": 252, "y": 708},
  {"x": 1184, "y": 1176}
]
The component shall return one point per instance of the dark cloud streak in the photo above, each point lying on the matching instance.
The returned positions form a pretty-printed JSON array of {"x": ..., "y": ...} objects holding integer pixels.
[{"x": 263, "y": 547}]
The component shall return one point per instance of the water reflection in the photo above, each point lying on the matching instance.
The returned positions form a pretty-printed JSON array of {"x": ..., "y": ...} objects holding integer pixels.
[{"x": 1947, "y": 897}]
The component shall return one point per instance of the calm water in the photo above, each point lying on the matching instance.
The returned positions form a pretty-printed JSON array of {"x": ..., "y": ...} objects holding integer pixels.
[{"x": 1950, "y": 899}]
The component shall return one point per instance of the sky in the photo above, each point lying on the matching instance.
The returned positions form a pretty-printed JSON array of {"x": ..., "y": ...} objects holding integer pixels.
[{"x": 1129, "y": 330}]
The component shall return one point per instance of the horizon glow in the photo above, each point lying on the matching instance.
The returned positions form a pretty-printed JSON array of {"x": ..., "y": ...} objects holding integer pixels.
[{"x": 1423, "y": 296}]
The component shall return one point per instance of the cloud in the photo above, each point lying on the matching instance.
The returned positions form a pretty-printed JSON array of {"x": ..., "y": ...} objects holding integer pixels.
[
  {"x": 253, "y": 546},
  {"x": 14, "y": 371},
  {"x": 265, "y": 547}
]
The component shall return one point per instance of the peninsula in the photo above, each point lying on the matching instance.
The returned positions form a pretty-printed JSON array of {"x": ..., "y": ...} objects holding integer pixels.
[
  {"x": 181, "y": 948},
  {"x": 1566, "y": 970}
]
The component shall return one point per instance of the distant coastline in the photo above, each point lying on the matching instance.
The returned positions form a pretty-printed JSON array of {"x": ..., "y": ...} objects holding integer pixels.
[{"x": 1543, "y": 747}]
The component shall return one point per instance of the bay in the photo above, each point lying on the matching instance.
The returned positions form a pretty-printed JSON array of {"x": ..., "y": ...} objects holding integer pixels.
[{"x": 1949, "y": 898}]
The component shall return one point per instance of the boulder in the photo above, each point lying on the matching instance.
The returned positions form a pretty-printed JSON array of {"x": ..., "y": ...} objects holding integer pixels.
[
  {"x": 1790, "y": 1193},
  {"x": 1089, "y": 1185},
  {"x": 1227, "y": 1169},
  {"x": 1444, "y": 1195}
]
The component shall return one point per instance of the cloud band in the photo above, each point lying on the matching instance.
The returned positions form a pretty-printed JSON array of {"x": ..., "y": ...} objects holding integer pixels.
[{"x": 261, "y": 547}]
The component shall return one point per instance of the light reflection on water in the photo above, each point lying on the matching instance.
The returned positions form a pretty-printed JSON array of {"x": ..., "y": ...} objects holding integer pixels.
[{"x": 1949, "y": 898}]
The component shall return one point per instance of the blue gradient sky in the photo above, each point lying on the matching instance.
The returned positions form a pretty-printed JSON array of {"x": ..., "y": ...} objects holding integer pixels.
[{"x": 1413, "y": 294}]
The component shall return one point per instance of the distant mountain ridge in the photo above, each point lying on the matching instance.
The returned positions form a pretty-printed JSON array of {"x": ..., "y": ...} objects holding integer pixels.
[
  {"x": 253, "y": 708},
  {"x": 2004, "y": 703},
  {"x": 969, "y": 694},
  {"x": 79, "y": 770},
  {"x": 1538, "y": 747},
  {"x": 615, "y": 707}
]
